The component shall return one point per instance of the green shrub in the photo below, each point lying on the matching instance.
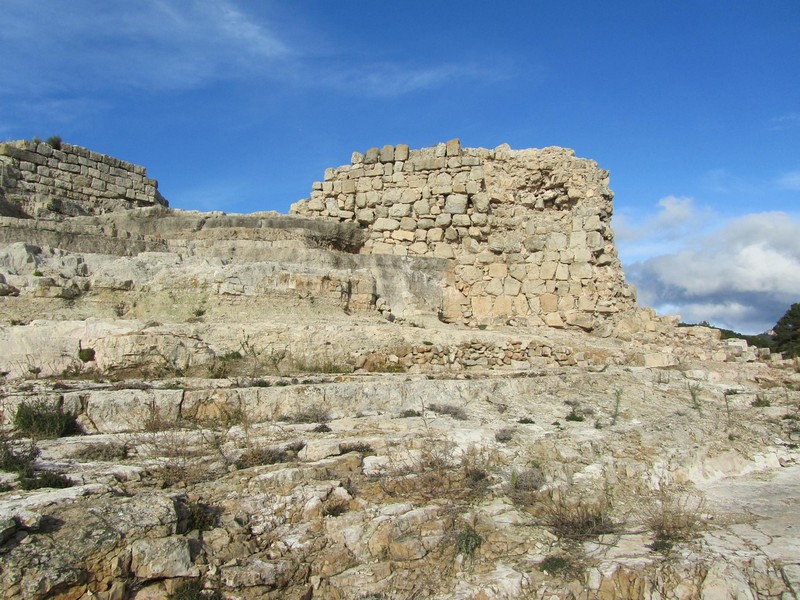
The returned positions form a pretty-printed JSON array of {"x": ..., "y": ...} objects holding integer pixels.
[
  {"x": 44, "y": 479},
  {"x": 760, "y": 402},
  {"x": 86, "y": 354},
  {"x": 467, "y": 541},
  {"x": 40, "y": 420},
  {"x": 554, "y": 563},
  {"x": 574, "y": 416},
  {"x": 54, "y": 141}
]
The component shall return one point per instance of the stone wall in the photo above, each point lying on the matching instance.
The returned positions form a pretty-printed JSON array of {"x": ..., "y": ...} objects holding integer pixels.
[
  {"x": 527, "y": 232},
  {"x": 38, "y": 180}
]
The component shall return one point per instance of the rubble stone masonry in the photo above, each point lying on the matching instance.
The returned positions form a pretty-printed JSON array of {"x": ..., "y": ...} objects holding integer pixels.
[
  {"x": 527, "y": 232},
  {"x": 37, "y": 180}
]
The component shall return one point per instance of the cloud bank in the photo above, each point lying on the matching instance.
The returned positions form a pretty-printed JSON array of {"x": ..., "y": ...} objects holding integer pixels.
[{"x": 743, "y": 276}]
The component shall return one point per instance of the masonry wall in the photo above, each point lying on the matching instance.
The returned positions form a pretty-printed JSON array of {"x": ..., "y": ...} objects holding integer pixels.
[
  {"x": 37, "y": 180},
  {"x": 527, "y": 231}
]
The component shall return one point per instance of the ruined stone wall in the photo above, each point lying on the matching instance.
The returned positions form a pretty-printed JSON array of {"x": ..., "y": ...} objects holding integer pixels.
[
  {"x": 527, "y": 232},
  {"x": 38, "y": 180}
]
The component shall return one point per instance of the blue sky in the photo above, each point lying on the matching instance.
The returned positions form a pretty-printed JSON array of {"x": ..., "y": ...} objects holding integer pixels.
[{"x": 238, "y": 105}]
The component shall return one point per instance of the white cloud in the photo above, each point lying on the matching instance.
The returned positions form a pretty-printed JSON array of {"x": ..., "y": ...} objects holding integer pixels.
[
  {"x": 388, "y": 80},
  {"x": 787, "y": 121},
  {"x": 789, "y": 181},
  {"x": 743, "y": 276},
  {"x": 675, "y": 215},
  {"x": 155, "y": 46}
]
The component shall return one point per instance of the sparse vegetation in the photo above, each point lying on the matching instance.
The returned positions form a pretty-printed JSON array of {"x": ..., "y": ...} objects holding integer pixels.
[
  {"x": 54, "y": 141},
  {"x": 694, "y": 392},
  {"x": 194, "y": 590},
  {"x": 673, "y": 515},
  {"x": 523, "y": 486},
  {"x": 617, "y": 402},
  {"x": 760, "y": 402},
  {"x": 410, "y": 412},
  {"x": 574, "y": 517},
  {"x": 106, "y": 451},
  {"x": 451, "y": 410},
  {"x": 264, "y": 455},
  {"x": 315, "y": 413},
  {"x": 361, "y": 447}
]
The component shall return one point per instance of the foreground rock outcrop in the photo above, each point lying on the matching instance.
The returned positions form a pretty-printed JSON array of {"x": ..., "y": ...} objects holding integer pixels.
[{"x": 324, "y": 405}]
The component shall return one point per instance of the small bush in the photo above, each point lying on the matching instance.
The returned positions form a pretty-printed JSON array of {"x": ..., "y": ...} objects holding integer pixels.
[
  {"x": 506, "y": 434},
  {"x": 311, "y": 414},
  {"x": 107, "y": 451},
  {"x": 54, "y": 141},
  {"x": 44, "y": 479},
  {"x": 760, "y": 402},
  {"x": 575, "y": 519},
  {"x": 261, "y": 455},
  {"x": 467, "y": 541},
  {"x": 322, "y": 428},
  {"x": 334, "y": 508},
  {"x": 361, "y": 447},
  {"x": 554, "y": 563},
  {"x": 526, "y": 421},
  {"x": 193, "y": 590},
  {"x": 16, "y": 461},
  {"x": 86, "y": 354},
  {"x": 202, "y": 516},
  {"x": 525, "y": 485},
  {"x": 39, "y": 420},
  {"x": 673, "y": 515},
  {"x": 450, "y": 410},
  {"x": 574, "y": 416},
  {"x": 410, "y": 412}
]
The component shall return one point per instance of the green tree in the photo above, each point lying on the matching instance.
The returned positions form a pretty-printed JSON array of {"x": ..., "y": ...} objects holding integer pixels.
[{"x": 787, "y": 332}]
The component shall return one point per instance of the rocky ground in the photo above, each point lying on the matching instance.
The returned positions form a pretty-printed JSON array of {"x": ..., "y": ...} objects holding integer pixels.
[{"x": 591, "y": 478}]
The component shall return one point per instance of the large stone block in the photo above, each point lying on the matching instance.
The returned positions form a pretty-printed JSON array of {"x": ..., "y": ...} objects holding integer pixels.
[
  {"x": 455, "y": 204},
  {"x": 384, "y": 224},
  {"x": 387, "y": 154}
]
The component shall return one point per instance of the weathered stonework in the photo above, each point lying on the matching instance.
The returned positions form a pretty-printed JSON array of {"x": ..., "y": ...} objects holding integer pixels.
[
  {"x": 527, "y": 232},
  {"x": 37, "y": 180}
]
